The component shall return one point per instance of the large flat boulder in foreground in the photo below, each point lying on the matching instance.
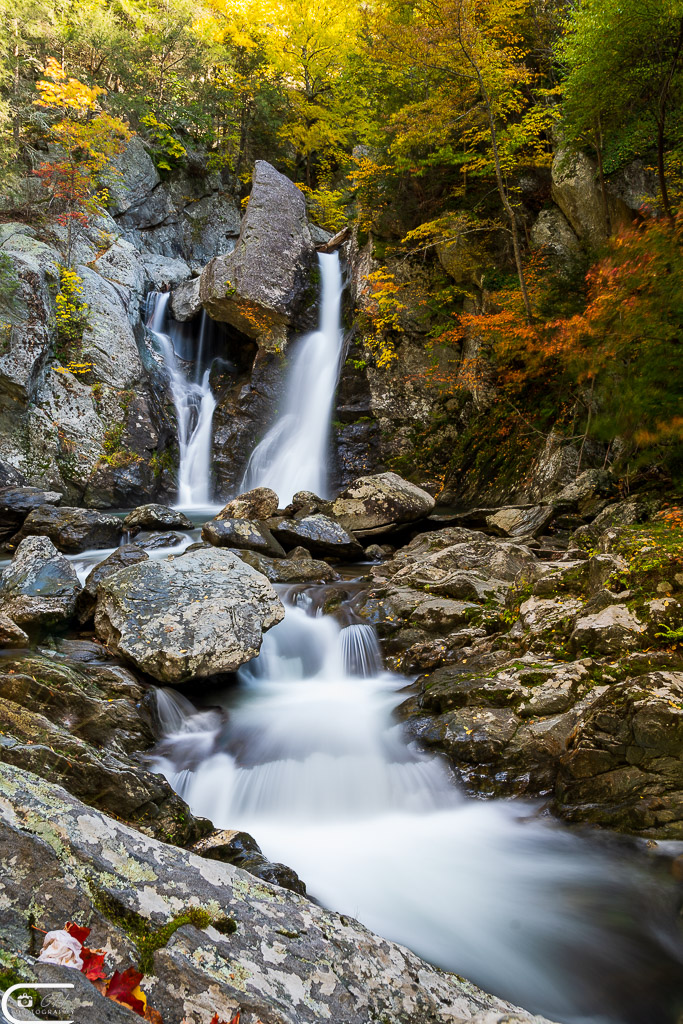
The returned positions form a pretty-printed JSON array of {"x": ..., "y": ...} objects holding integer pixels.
[
  {"x": 375, "y": 504},
  {"x": 259, "y": 286},
  {"x": 72, "y": 529},
  {"x": 197, "y": 615},
  {"x": 287, "y": 961}
]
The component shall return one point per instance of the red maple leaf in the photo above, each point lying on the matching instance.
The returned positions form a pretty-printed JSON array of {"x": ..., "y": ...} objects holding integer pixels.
[
  {"x": 93, "y": 962},
  {"x": 121, "y": 989},
  {"x": 235, "y": 1019},
  {"x": 80, "y": 934}
]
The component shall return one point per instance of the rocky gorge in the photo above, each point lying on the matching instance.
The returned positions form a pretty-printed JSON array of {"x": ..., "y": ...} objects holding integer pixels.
[{"x": 504, "y": 659}]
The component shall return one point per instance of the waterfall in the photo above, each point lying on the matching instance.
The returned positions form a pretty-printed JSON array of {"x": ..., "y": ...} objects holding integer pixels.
[
  {"x": 306, "y": 756},
  {"x": 294, "y": 453},
  {"x": 194, "y": 406}
]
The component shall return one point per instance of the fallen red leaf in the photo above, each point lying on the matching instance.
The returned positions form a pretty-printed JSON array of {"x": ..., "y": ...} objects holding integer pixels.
[
  {"x": 235, "y": 1019},
  {"x": 93, "y": 963},
  {"x": 153, "y": 1016},
  {"x": 121, "y": 989},
  {"x": 79, "y": 933}
]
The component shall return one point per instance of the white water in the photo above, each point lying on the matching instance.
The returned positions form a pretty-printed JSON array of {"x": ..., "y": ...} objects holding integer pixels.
[
  {"x": 311, "y": 763},
  {"x": 194, "y": 406},
  {"x": 293, "y": 455}
]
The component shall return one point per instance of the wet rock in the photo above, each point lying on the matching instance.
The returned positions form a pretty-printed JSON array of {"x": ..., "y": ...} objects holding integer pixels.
[
  {"x": 75, "y": 719},
  {"x": 11, "y": 635},
  {"x": 375, "y": 504},
  {"x": 155, "y": 541},
  {"x": 613, "y": 630},
  {"x": 551, "y": 620},
  {"x": 272, "y": 960},
  {"x": 242, "y": 533},
  {"x": 185, "y": 300},
  {"x": 127, "y": 554},
  {"x": 258, "y": 287},
  {"x": 72, "y": 529},
  {"x": 196, "y": 615},
  {"x": 375, "y": 553},
  {"x": 624, "y": 768},
  {"x": 259, "y": 503},
  {"x": 17, "y": 502},
  {"x": 293, "y": 569},
  {"x": 39, "y": 588},
  {"x": 157, "y": 517},
  {"x": 242, "y": 850},
  {"x": 320, "y": 534},
  {"x": 518, "y": 522}
]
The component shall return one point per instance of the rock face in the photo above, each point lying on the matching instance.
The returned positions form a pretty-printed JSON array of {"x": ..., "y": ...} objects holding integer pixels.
[
  {"x": 197, "y": 615},
  {"x": 185, "y": 300},
  {"x": 156, "y": 517},
  {"x": 72, "y": 529},
  {"x": 77, "y": 720},
  {"x": 38, "y": 590},
  {"x": 319, "y": 534},
  {"x": 242, "y": 850},
  {"x": 374, "y": 504},
  {"x": 290, "y": 570},
  {"x": 624, "y": 769},
  {"x": 258, "y": 287},
  {"x": 576, "y": 190},
  {"x": 518, "y": 522},
  {"x": 242, "y": 533},
  {"x": 551, "y": 231},
  {"x": 282, "y": 959}
]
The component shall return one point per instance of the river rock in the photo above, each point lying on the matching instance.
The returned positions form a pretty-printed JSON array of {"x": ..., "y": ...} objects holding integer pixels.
[
  {"x": 157, "y": 517},
  {"x": 258, "y": 287},
  {"x": 293, "y": 569},
  {"x": 287, "y": 960},
  {"x": 185, "y": 300},
  {"x": 196, "y": 615},
  {"x": 518, "y": 522},
  {"x": 17, "y": 502},
  {"x": 375, "y": 504},
  {"x": 242, "y": 850},
  {"x": 320, "y": 534},
  {"x": 156, "y": 541},
  {"x": 39, "y": 588},
  {"x": 80, "y": 721},
  {"x": 72, "y": 529},
  {"x": 242, "y": 533},
  {"x": 259, "y": 503},
  {"x": 11, "y": 635},
  {"x": 613, "y": 630},
  {"x": 127, "y": 554}
]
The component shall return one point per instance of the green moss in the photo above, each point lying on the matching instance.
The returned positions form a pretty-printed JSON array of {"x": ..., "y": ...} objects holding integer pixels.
[{"x": 146, "y": 937}]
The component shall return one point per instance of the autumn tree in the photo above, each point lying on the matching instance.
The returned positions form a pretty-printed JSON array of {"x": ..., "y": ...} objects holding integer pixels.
[
  {"x": 482, "y": 94},
  {"x": 623, "y": 83},
  {"x": 85, "y": 139}
]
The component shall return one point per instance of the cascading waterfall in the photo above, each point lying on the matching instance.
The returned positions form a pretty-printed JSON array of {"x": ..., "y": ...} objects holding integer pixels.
[
  {"x": 194, "y": 406},
  {"x": 293, "y": 455},
  {"x": 307, "y": 757},
  {"x": 305, "y": 754}
]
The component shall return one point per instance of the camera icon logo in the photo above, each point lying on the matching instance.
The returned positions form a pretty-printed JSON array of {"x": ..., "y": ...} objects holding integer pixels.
[{"x": 25, "y": 1000}]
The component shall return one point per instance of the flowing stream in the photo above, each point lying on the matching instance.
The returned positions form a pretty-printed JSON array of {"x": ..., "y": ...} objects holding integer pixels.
[
  {"x": 293, "y": 454},
  {"x": 193, "y": 401},
  {"x": 304, "y": 752}
]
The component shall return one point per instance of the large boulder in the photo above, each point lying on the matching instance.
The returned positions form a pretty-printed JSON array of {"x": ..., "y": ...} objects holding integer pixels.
[
  {"x": 290, "y": 570},
  {"x": 612, "y": 630},
  {"x": 72, "y": 529},
  {"x": 260, "y": 950},
  {"x": 127, "y": 554},
  {"x": 157, "y": 517},
  {"x": 375, "y": 504},
  {"x": 39, "y": 588},
  {"x": 576, "y": 190},
  {"x": 552, "y": 232},
  {"x": 197, "y": 615},
  {"x": 185, "y": 300},
  {"x": 259, "y": 503},
  {"x": 259, "y": 286},
  {"x": 520, "y": 522},
  {"x": 319, "y": 534},
  {"x": 242, "y": 533}
]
